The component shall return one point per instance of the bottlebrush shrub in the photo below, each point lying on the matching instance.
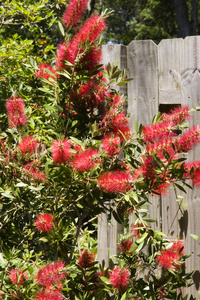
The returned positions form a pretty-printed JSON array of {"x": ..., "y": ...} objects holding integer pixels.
[{"x": 66, "y": 159}]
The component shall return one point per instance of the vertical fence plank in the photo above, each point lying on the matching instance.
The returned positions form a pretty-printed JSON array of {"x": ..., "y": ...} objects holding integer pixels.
[
  {"x": 142, "y": 65},
  {"x": 102, "y": 238},
  {"x": 170, "y": 57},
  {"x": 169, "y": 68},
  {"x": 108, "y": 234},
  {"x": 190, "y": 76}
]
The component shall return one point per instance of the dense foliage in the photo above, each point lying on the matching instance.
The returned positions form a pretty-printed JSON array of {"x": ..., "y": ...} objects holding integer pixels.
[
  {"x": 68, "y": 155},
  {"x": 149, "y": 19}
]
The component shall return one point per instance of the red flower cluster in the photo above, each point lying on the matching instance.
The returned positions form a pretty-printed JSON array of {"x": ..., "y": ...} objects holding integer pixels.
[
  {"x": 177, "y": 115},
  {"x": 188, "y": 139},
  {"x": 120, "y": 126},
  {"x": 34, "y": 173},
  {"x": 51, "y": 277},
  {"x": 136, "y": 230},
  {"x": 163, "y": 129},
  {"x": 85, "y": 258},
  {"x": 125, "y": 245},
  {"x": 193, "y": 171},
  {"x": 90, "y": 31},
  {"x": 16, "y": 111},
  {"x": 158, "y": 147},
  {"x": 74, "y": 12},
  {"x": 51, "y": 274},
  {"x": 92, "y": 94},
  {"x": 147, "y": 168},
  {"x": 44, "y": 222},
  {"x": 110, "y": 145},
  {"x": 43, "y": 72},
  {"x": 158, "y": 131},
  {"x": 170, "y": 258},
  {"x": 49, "y": 295},
  {"x": 28, "y": 145},
  {"x": 115, "y": 181},
  {"x": 119, "y": 278},
  {"x": 85, "y": 160},
  {"x": 18, "y": 276},
  {"x": 61, "y": 151}
]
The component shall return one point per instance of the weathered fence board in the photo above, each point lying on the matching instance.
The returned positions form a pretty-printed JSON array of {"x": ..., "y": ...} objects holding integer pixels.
[{"x": 165, "y": 75}]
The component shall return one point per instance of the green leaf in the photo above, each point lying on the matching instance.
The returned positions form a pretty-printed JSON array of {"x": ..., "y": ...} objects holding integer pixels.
[
  {"x": 7, "y": 194},
  {"x": 21, "y": 184},
  {"x": 61, "y": 28},
  {"x": 136, "y": 126},
  {"x": 142, "y": 238},
  {"x": 105, "y": 279},
  {"x": 33, "y": 188},
  {"x": 194, "y": 236},
  {"x": 180, "y": 187},
  {"x": 124, "y": 296},
  {"x": 3, "y": 262},
  {"x": 43, "y": 239},
  {"x": 149, "y": 220}
]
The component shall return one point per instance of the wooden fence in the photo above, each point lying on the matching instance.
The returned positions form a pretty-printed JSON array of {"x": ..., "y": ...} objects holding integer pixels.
[{"x": 165, "y": 75}]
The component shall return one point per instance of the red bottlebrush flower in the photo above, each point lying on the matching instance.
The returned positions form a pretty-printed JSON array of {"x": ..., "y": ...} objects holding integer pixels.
[
  {"x": 118, "y": 101},
  {"x": 178, "y": 246},
  {"x": 28, "y": 145},
  {"x": 16, "y": 111},
  {"x": 136, "y": 230},
  {"x": 74, "y": 12},
  {"x": 49, "y": 295},
  {"x": 195, "y": 174},
  {"x": 61, "y": 151},
  {"x": 188, "y": 139},
  {"x": 119, "y": 278},
  {"x": 158, "y": 131},
  {"x": 147, "y": 168},
  {"x": 85, "y": 160},
  {"x": 85, "y": 259},
  {"x": 168, "y": 259},
  {"x": 17, "y": 276},
  {"x": 161, "y": 188},
  {"x": 120, "y": 126},
  {"x": 44, "y": 222},
  {"x": 51, "y": 274},
  {"x": 91, "y": 93},
  {"x": 111, "y": 145},
  {"x": 44, "y": 73},
  {"x": 177, "y": 115},
  {"x": 2, "y": 144},
  {"x": 91, "y": 29},
  {"x": 91, "y": 59},
  {"x": 33, "y": 172},
  {"x": 158, "y": 148},
  {"x": 115, "y": 182},
  {"x": 125, "y": 245},
  {"x": 66, "y": 52}
]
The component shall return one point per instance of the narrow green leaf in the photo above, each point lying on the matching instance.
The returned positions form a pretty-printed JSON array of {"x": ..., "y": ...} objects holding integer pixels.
[
  {"x": 62, "y": 31},
  {"x": 142, "y": 238},
  {"x": 43, "y": 239},
  {"x": 21, "y": 184},
  {"x": 194, "y": 236},
  {"x": 105, "y": 279}
]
